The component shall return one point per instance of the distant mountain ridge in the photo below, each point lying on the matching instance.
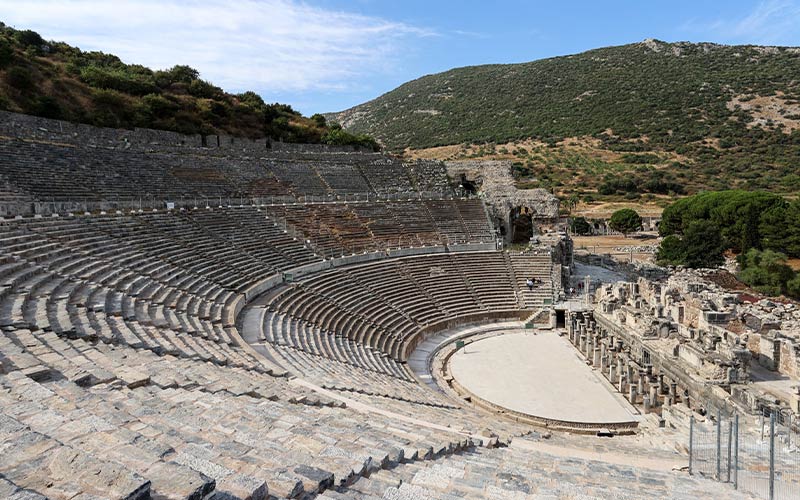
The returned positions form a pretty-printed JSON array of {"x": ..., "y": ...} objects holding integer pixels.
[{"x": 721, "y": 109}]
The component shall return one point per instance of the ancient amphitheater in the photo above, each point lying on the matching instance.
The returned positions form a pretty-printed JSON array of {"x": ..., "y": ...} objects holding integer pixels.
[{"x": 211, "y": 317}]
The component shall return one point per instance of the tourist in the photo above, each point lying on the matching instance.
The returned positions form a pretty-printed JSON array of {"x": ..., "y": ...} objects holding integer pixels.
[{"x": 529, "y": 282}]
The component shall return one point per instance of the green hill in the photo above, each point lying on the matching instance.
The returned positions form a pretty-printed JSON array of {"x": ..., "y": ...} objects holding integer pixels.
[
  {"x": 55, "y": 80},
  {"x": 681, "y": 116}
]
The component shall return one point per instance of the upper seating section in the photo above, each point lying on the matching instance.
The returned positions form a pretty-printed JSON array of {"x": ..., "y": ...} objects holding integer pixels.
[
  {"x": 49, "y": 161},
  {"x": 334, "y": 229}
]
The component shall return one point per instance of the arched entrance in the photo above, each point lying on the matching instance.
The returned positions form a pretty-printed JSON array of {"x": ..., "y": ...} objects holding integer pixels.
[{"x": 521, "y": 220}]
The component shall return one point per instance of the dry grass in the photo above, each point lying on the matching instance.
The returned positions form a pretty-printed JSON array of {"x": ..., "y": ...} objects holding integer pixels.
[
  {"x": 604, "y": 210},
  {"x": 609, "y": 245}
]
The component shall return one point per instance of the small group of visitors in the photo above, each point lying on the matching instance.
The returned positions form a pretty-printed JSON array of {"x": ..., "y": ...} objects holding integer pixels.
[{"x": 531, "y": 282}]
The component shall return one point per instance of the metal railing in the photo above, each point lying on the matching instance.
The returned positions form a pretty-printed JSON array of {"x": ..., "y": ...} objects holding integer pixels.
[
  {"x": 62, "y": 206},
  {"x": 763, "y": 462}
]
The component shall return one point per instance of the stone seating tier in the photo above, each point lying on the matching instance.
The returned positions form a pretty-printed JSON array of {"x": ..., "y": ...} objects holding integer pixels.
[
  {"x": 122, "y": 372},
  {"x": 366, "y": 315},
  {"x": 82, "y": 174}
]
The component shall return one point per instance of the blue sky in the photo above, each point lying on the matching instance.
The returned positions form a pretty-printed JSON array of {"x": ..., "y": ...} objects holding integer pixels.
[{"x": 328, "y": 55}]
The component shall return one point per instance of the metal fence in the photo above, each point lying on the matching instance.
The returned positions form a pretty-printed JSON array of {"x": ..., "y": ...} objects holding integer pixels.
[{"x": 763, "y": 462}]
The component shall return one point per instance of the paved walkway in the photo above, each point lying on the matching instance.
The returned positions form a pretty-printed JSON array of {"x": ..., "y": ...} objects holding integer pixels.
[{"x": 541, "y": 374}]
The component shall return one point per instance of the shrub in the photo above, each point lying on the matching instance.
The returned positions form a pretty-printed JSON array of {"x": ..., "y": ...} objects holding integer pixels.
[
  {"x": 671, "y": 252},
  {"x": 793, "y": 287},
  {"x": 251, "y": 99},
  {"x": 47, "y": 107},
  {"x": 159, "y": 106},
  {"x": 643, "y": 158},
  {"x": 203, "y": 89},
  {"x": 766, "y": 271},
  {"x": 6, "y": 53},
  {"x": 702, "y": 243},
  {"x": 625, "y": 221},
  {"x": 176, "y": 74},
  {"x": 20, "y": 78},
  {"x": 580, "y": 226},
  {"x": 29, "y": 38},
  {"x": 318, "y": 119},
  {"x": 120, "y": 79}
]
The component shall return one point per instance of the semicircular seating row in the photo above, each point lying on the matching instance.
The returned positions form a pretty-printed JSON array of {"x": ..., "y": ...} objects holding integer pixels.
[
  {"x": 122, "y": 373},
  {"x": 370, "y": 316}
]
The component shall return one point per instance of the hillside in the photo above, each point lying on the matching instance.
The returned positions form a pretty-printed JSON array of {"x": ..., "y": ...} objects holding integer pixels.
[
  {"x": 56, "y": 80},
  {"x": 649, "y": 118}
]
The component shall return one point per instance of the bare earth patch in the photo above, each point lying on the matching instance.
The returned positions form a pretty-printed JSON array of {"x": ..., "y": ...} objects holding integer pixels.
[
  {"x": 604, "y": 210},
  {"x": 617, "y": 246},
  {"x": 769, "y": 111}
]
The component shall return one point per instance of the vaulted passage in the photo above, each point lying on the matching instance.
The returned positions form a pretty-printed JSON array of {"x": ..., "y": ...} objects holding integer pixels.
[{"x": 521, "y": 225}]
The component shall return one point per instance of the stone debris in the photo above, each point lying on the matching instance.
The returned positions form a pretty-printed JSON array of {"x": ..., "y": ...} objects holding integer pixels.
[{"x": 686, "y": 339}]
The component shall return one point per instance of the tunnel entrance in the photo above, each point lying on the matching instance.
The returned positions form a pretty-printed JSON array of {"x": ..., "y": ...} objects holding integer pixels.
[
  {"x": 561, "y": 320},
  {"x": 522, "y": 228},
  {"x": 468, "y": 187}
]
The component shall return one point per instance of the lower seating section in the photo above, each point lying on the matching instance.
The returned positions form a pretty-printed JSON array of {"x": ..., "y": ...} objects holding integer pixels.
[
  {"x": 112, "y": 441},
  {"x": 365, "y": 315},
  {"x": 522, "y": 472},
  {"x": 533, "y": 264},
  {"x": 122, "y": 373}
]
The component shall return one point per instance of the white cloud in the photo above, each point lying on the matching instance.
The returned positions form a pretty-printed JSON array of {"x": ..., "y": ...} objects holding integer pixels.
[
  {"x": 266, "y": 45},
  {"x": 771, "y": 22}
]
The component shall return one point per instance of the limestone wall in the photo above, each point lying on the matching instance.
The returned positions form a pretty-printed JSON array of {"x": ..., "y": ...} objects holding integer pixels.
[
  {"x": 496, "y": 185},
  {"x": 140, "y": 139}
]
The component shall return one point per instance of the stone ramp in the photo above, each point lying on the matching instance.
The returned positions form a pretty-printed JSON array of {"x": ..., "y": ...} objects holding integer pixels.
[{"x": 510, "y": 473}]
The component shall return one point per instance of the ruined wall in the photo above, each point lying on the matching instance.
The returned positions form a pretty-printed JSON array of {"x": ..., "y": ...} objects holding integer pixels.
[
  {"x": 496, "y": 185},
  {"x": 706, "y": 336},
  {"x": 146, "y": 140}
]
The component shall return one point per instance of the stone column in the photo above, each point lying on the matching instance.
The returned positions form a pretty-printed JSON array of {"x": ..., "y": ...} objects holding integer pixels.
[
  {"x": 632, "y": 393},
  {"x": 646, "y": 403},
  {"x": 654, "y": 395}
]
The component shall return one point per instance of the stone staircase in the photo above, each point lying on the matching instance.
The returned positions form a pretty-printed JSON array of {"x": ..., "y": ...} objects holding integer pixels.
[{"x": 511, "y": 473}]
